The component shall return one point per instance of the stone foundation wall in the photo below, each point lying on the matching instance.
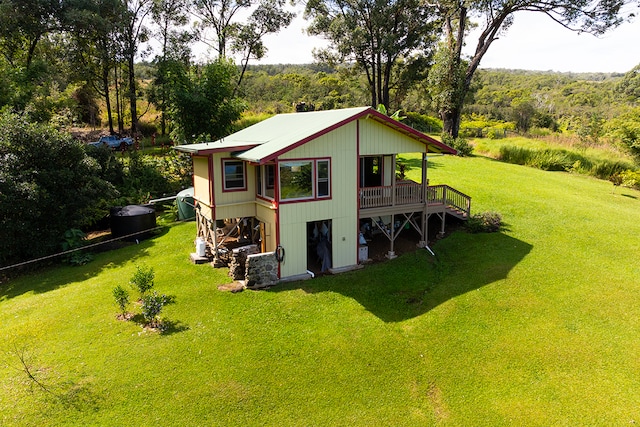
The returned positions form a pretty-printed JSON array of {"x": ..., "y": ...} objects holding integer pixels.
[
  {"x": 261, "y": 270},
  {"x": 237, "y": 266}
]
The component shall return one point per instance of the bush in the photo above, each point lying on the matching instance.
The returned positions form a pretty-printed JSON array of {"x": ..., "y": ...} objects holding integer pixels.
[
  {"x": 152, "y": 306},
  {"x": 423, "y": 123},
  {"x": 75, "y": 239},
  {"x": 460, "y": 144},
  {"x": 486, "y": 222},
  {"x": 122, "y": 298},
  {"x": 48, "y": 185},
  {"x": 142, "y": 280}
]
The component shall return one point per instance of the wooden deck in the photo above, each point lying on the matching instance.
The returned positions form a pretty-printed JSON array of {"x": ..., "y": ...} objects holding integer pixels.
[{"x": 410, "y": 197}]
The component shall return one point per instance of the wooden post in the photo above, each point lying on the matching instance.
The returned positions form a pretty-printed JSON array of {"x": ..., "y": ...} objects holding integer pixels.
[{"x": 425, "y": 202}]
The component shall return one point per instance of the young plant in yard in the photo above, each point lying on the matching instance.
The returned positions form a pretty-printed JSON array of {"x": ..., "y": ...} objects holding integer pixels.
[
  {"x": 152, "y": 306},
  {"x": 121, "y": 296},
  {"x": 142, "y": 280}
]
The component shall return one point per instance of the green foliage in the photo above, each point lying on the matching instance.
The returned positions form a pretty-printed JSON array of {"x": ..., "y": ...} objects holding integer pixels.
[
  {"x": 393, "y": 50},
  {"x": 625, "y": 129},
  {"x": 629, "y": 178},
  {"x": 47, "y": 185},
  {"x": 485, "y": 222},
  {"x": 121, "y": 296},
  {"x": 561, "y": 160},
  {"x": 142, "y": 280},
  {"x": 152, "y": 306},
  {"x": 423, "y": 123},
  {"x": 75, "y": 239},
  {"x": 203, "y": 105},
  {"x": 461, "y": 144}
]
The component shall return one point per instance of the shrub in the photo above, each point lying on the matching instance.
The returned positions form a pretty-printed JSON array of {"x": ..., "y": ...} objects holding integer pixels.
[
  {"x": 485, "y": 222},
  {"x": 48, "y": 185},
  {"x": 142, "y": 280},
  {"x": 460, "y": 144},
  {"x": 423, "y": 123},
  {"x": 121, "y": 296},
  {"x": 152, "y": 306},
  {"x": 75, "y": 239}
]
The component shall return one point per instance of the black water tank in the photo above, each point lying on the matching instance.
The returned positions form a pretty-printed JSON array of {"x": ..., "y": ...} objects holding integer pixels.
[{"x": 132, "y": 219}]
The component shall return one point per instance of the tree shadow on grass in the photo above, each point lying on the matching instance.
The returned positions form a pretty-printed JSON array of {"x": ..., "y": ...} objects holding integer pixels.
[
  {"x": 47, "y": 277},
  {"x": 415, "y": 283}
]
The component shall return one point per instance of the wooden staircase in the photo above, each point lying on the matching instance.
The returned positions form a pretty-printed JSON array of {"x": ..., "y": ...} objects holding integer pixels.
[{"x": 454, "y": 202}]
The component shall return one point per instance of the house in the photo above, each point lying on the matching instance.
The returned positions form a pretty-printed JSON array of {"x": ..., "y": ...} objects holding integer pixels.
[{"x": 305, "y": 185}]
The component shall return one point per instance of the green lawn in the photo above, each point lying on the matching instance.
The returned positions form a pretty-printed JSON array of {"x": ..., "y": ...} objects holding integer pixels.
[{"x": 536, "y": 326}]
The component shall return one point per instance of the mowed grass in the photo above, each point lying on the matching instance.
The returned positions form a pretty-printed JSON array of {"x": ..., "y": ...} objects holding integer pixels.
[{"x": 536, "y": 325}]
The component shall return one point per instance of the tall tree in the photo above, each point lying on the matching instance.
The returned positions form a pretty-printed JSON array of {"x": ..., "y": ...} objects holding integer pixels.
[
  {"x": 378, "y": 35},
  {"x": 23, "y": 25},
  {"x": 134, "y": 34},
  {"x": 170, "y": 17},
  {"x": 455, "y": 73},
  {"x": 269, "y": 17},
  {"x": 231, "y": 34},
  {"x": 96, "y": 46},
  {"x": 202, "y": 104}
]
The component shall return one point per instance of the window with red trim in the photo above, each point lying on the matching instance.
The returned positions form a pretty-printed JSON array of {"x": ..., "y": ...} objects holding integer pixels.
[{"x": 234, "y": 175}]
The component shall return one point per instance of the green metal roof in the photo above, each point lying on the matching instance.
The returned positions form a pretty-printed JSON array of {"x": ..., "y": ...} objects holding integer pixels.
[{"x": 267, "y": 139}]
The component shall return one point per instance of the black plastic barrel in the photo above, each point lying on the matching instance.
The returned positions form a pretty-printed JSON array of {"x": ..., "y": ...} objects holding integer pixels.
[{"x": 135, "y": 221}]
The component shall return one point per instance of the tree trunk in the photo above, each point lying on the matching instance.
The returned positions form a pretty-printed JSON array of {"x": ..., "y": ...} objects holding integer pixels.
[
  {"x": 132, "y": 96},
  {"x": 105, "y": 88},
  {"x": 451, "y": 121}
]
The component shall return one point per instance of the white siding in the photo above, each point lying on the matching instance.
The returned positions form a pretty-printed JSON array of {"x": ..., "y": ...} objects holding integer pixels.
[
  {"x": 233, "y": 204},
  {"x": 340, "y": 147},
  {"x": 376, "y": 138},
  {"x": 201, "y": 184},
  {"x": 267, "y": 215}
]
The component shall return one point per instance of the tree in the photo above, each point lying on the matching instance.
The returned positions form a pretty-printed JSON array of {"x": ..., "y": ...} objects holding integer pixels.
[
  {"x": 96, "y": 47},
  {"x": 594, "y": 17},
  {"x": 169, "y": 16},
  {"x": 23, "y": 25},
  {"x": 230, "y": 34},
  {"x": 629, "y": 86},
  {"x": 47, "y": 185},
  {"x": 380, "y": 36},
  {"x": 134, "y": 34},
  {"x": 269, "y": 17},
  {"x": 202, "y": 104}
]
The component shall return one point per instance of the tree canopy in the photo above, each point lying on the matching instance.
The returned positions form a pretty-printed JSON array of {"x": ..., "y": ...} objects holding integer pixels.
[
  {"x": 390, "y": 41},
  {"x": 495, "y": 17}
]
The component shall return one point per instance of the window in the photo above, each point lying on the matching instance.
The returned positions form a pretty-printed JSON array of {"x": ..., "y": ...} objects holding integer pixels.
[
  {"x": 265, "y": 184},
  {"x": 234, "y": 175},
  {"x": 323, "y": 178},
  {"x": 304, "y": 179}
]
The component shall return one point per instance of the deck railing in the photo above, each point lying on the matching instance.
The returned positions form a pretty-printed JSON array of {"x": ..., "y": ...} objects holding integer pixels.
[
  {"x": 375, "y": 197},
  {"x": 449, "y": 197},
  {"x": 411, "y": 193}
]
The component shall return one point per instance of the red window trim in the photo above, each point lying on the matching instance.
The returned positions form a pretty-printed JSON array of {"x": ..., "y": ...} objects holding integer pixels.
[
  {"x": 315, "y": 197},
  {"x": 224, "y": 180}
]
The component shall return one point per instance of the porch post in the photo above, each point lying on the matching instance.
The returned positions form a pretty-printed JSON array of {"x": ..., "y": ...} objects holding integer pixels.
[
  {"x": 393, "y": 180},
  {"x": 392, "y": 233},
  {"x": 425, "y": 200}
]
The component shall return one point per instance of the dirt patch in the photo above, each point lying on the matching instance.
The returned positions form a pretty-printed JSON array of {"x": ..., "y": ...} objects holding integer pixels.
[
  {"x": 234, "y": 287},
  {"x": 407, "y": 241}
]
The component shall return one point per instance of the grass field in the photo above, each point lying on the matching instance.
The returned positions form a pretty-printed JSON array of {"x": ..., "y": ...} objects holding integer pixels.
[{"x": 536, "y": 325}]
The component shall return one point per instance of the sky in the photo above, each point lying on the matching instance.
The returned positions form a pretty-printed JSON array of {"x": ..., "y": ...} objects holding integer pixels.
[{"x": 534, "y": 42}]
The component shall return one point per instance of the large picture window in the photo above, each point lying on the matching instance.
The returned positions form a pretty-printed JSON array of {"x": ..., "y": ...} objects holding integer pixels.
[
  {"x": 304, "y": 179},
  {"x": 234, "y": 178}
]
